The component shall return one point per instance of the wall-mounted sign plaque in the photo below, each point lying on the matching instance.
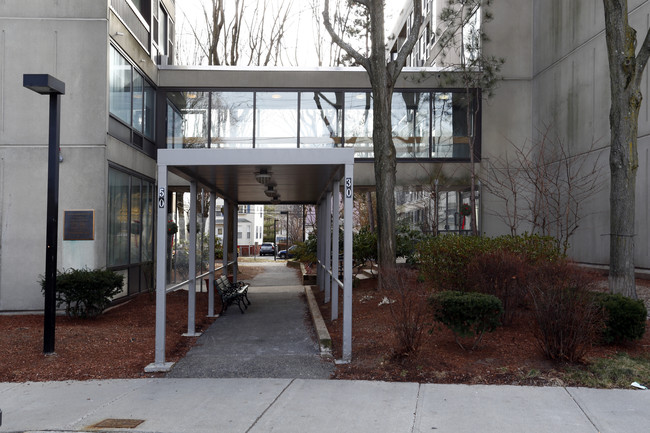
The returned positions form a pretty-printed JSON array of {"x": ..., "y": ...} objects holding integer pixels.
[{"x": 78, "y": 225}]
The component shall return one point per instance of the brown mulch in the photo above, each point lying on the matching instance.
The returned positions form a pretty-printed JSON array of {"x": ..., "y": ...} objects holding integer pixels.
[
  {"x": 118, "y": 344},
  {"x": 509, "y": 355}
]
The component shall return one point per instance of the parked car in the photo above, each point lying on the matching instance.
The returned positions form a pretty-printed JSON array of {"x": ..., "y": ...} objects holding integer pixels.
[
  {"x": 267, "y": 248},
  {"x": 287, "y": 254}
]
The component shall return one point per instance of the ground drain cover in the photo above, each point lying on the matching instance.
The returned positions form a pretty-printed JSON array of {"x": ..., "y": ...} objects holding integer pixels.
[{"x": 117, "y": 423}]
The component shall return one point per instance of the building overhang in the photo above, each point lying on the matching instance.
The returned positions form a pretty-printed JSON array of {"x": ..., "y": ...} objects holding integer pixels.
[{"x": 299, "y": 176}]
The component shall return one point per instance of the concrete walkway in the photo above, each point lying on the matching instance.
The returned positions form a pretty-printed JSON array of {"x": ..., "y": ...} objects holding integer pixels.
[
  {"x": 273, "y": 339},
  {"x": 303, "y": 406}
]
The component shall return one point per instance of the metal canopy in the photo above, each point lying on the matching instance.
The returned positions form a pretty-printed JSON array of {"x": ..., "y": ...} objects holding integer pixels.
[{"x": 299, "y": 176}]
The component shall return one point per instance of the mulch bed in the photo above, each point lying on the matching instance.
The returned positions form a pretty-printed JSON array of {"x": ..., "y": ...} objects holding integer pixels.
[{"x": 509, "y": 355}]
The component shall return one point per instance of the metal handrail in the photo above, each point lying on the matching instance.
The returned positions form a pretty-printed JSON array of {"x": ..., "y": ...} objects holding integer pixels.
[
  {"x": 329, "y": 271},
  {"x": 181, "y": 284}
]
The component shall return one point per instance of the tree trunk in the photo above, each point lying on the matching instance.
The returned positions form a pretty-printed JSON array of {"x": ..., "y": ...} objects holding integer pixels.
[
  {"x": 623, "y": 163},
  {"x": 371, "y": 211},
  {"x": 626, "y": 98},
  {"x": 385, "y": 177}
]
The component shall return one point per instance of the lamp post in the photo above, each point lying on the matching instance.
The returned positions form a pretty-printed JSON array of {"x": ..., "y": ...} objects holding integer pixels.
[
  {"x": 44, "y": 84},
  {"x": 275, "y": 240},
  {"x": 284, "y": 212}
]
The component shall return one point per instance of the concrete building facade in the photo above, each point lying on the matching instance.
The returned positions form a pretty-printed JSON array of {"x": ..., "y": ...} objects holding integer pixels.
[{"x": 124, "y": 101}]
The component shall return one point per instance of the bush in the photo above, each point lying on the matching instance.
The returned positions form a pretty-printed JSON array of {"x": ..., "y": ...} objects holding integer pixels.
[
  {"x": 364, "y": 245},
  {"x": 407, "y": 239},
  {"x": 409, "y": 311},
  {"x": 534, "y": 249},
  {"x": 84, "y": 292},
  {"x": 444, "y": 259},
  {"x": 502, "y": 274},
  {"x": 625, "y": 318},
  {"x": 467, "y": 313},
  {"x": 567, "y": 319}
]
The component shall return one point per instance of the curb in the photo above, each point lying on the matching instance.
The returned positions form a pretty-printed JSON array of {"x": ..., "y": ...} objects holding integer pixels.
[{"x": 324, "y": 339}]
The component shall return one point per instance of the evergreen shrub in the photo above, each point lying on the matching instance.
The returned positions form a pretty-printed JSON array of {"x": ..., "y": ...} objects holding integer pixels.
[
  {"x": 625, "y": 318},
  {"x": 86, "y": 293},
  {"x": 467, "y": 314}
]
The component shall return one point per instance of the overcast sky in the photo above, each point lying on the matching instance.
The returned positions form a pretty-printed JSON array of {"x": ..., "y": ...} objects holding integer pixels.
[{"x": 299, "y": 40}]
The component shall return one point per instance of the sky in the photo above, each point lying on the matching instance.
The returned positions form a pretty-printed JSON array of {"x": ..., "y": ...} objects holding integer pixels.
[{"x": 299, "y": 40}]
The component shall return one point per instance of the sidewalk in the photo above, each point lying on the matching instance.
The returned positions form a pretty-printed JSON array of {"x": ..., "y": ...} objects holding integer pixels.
[{"x": 301, "y": 406}]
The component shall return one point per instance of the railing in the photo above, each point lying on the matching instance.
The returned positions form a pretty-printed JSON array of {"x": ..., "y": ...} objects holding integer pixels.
[{"x": 198, "y": 277}]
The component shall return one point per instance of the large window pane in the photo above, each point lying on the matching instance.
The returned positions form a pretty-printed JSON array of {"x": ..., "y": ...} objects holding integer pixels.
[
  {"x": 321, "y": 119},
  {"x": 463, "y": 125},
  {"x": 232, "y": 120},
  {"x": 195, "y": 119},
  {"x": 120, "y": 87},
  {"x": 276, "y": 120},
  {"x": 138, "y": 101},
  {"x": 149, "y": 110},
  {"x": 136, "y": 219},
  {"x": 147, "y": 221},
  {"x": 410, "y": 123},
  {"x": 443, "y": 135},
  {"x": 118, "y": 218},
  {"x": 358, "y": 124},
  {"x": 174, "y": 127}
]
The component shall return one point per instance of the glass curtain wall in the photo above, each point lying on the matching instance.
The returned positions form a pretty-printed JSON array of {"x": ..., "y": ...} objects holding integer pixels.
[
  {"x": 321, "y": 119},
  {"x": 131, "y": 96},
  {"x": 276, "y": 119},
  {"x": 432, "y": 125},
  {"x": 231, "y": 120},
  {"x": 410, "y": 121},
  {"x": 130, "y": 224},
  {"x": 358, "y": 123}
]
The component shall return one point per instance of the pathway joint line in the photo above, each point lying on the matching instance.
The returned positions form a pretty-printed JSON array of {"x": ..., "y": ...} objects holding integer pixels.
[
  {"x": 269, "y": 406},
  {"x": 598, "y": 430},
  {"x": 417, "y": 406}
]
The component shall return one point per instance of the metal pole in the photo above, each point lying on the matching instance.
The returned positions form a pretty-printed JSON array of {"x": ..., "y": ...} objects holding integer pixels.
[
  {"x": 225, "y": 211},
  {"x": 275, "y": 238},
  {"x": 347, "y": 263},
  {"x": 191, "y": 290},
  {"x": 212, "y": 221},
  {"x": 235, "y": 242},
  {"x": 327, "y": 281},
  {"x": 335, "y": 246},
  {"x": 52, "y": 234}
]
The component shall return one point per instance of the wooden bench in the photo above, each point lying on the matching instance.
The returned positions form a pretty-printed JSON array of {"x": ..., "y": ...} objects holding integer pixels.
[{"x": 231, "y": 293}]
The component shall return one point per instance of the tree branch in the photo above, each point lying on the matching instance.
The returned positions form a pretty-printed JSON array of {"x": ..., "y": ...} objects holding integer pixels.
[
  {"x": 363, "y": 61},
  {"x": 642, "y": 59},
  {"x": 395, "y": 66}
]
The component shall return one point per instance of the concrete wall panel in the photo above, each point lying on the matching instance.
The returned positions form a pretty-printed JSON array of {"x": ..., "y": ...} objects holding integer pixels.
[
  {"x": 54, "y": 8},
  {"x": 73, "y": 51}
]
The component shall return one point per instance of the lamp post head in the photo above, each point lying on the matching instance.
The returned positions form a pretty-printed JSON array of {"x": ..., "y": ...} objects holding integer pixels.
[{"x": 44, "y": 84}]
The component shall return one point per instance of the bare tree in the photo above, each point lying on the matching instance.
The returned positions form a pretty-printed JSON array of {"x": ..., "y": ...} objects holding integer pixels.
[
  {"x": 626, "y": 68},
  {"x": 242, "y": 32},
  {"x": 383, "y": 76},
  {"x": 544, "y": 187}
]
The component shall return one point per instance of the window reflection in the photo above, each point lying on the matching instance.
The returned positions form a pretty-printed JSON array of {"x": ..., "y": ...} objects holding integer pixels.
[
  {"x": 358, "y": 123},
  {"x": 276, "y": 124},
  {"x": 410, "y": 122},
  {"x": 118, "y": 218},
  {"x": 120, "y": 87},
  {"x": 321, "y": 119},
  {"x": 424, "y": 124},
  {"x": 232, "y": 120}
]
